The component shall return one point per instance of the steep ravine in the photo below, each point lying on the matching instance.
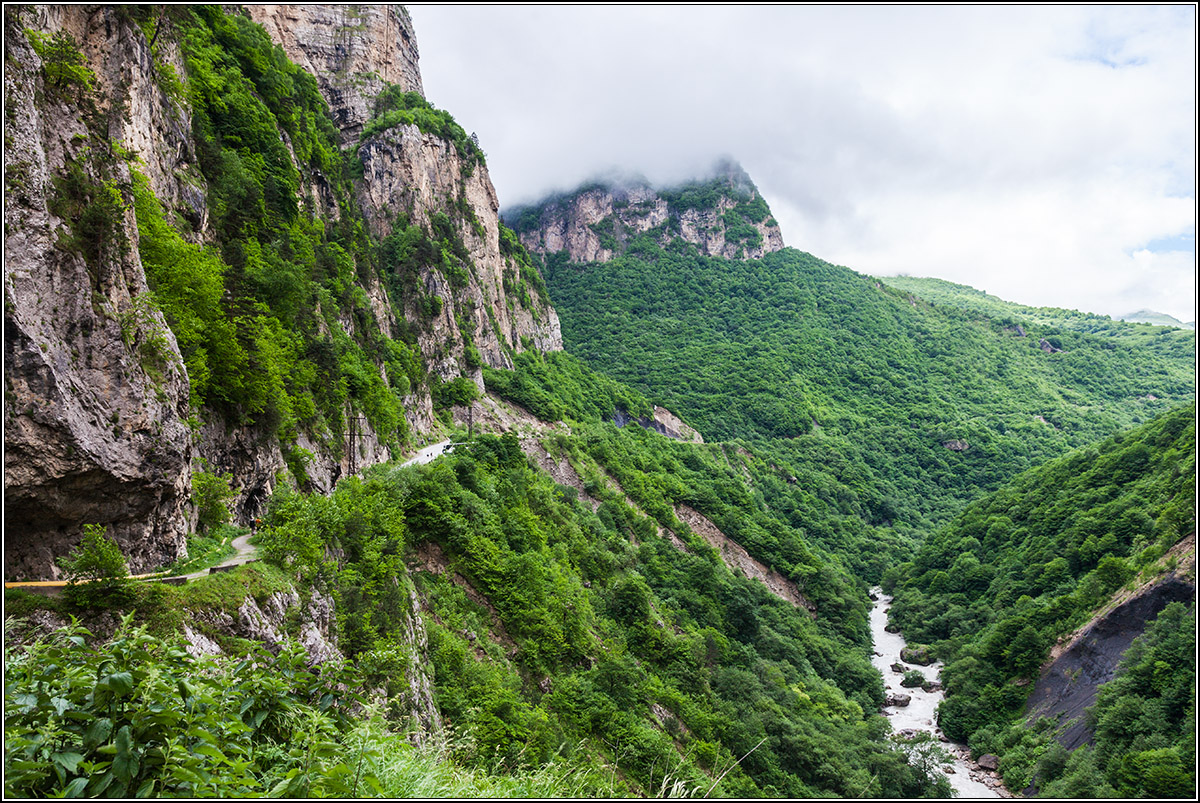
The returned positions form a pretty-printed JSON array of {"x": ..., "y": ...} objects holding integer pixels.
[{"x": 967, "y": 778}]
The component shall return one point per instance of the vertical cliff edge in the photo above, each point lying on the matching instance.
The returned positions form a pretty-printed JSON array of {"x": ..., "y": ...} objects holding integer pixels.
[{"x": 238, "y": 242}]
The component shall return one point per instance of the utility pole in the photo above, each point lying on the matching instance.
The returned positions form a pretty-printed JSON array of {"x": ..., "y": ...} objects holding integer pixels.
[{"x": 352, "y": 431}]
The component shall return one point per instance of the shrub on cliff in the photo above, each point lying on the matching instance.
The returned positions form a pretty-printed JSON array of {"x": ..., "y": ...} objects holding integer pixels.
[{"x": 97, "y": 574}]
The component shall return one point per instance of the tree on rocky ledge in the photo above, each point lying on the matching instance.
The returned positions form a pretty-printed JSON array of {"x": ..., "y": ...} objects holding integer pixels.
[{"x": 96, "y": 570}]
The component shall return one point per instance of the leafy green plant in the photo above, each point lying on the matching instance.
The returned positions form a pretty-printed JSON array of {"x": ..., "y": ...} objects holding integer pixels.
[
  {"x": 211, "y": 494},
  {"x": 96, "y": 571},
  {"x": 138, "y": 716},
  {"x": 63, "y": 65}
]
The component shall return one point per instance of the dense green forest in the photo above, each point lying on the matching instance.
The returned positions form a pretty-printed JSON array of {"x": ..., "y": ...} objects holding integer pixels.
[
  {"x": 600, "y": 640},
  {"x": 585, "y": 639},
  {"x": 807, "y": 503},
  {"x": 837, "y": 374},
  {"x": 992, "y": 591},
  {"x": 1166, "y": 340}
]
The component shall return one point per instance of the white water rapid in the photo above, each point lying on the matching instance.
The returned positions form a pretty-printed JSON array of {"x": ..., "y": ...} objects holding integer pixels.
[{"x": 967, "y": 778}]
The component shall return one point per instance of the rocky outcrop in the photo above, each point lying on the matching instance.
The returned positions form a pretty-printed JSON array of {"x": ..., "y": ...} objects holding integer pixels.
[
  {"x": 1048, "y": 347},
  {"x": 736, "y": 557},
  {"x": 664, "y": 422},
  {"x": 560, "y": 470},
  {"x": 1067, "y": 686},
  {"x": 266, "y": 622},
  {"x": 421, "y": 175},
  {"x": 418, "y": 699},
  {"x": 354, "y": 51},
  {"x": 917, "y": 654},
  {"x": 674, "y": 427},
  {"x": 722, "y": 216}
]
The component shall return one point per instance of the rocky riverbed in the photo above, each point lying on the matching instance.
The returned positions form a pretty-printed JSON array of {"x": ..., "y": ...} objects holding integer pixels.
[{"x": 915, "y": 709}]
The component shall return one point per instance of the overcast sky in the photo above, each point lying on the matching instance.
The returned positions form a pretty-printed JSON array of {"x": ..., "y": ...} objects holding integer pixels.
[{"x": 1042, "y": 154}]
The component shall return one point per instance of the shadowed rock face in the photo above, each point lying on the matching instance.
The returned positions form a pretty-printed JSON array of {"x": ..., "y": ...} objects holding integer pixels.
[{"x": 1068, "y": 686}]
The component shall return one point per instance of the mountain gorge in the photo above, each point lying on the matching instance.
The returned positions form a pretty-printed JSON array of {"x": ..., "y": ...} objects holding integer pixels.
[
  {"x": 249, "y": 267},
  {"x": 239, "y": 313}
]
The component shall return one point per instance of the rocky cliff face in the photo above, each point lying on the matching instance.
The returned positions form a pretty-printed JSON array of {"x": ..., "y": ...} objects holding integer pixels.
[
  {"x": 99, "y": 423},
  {"x": 354, "y": 51},
  {"x": 722, "y": 216},
  {"x": 413, "y": 173},
  {"x": 96, "y": 396},
  {"x": 1080, "y": 665}
]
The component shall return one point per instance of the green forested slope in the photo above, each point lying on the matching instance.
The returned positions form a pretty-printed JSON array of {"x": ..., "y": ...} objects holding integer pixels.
[
  {"x": 1019, "y": 568},
  {"x": 813, "y": 491},
  {"x": 593, "y": 632},
  {"x": 1165, "y": 339},
  {"x": 599, "y": 635},
  {"x": 850, "y": 379}
]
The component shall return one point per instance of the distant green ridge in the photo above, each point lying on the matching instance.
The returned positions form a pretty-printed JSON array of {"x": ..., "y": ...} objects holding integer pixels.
[
  {"x": 897, "y": 409},
  {"x": 1156, "y": 318},
  {"x": 1129, "y": 329}
]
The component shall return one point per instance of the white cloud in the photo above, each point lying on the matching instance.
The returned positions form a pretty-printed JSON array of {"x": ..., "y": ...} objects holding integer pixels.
[{"x": 1027, "y": 151}]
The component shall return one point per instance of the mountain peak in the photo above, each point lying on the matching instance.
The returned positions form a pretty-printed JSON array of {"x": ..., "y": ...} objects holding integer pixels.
[{"x": 721, "y": 214}]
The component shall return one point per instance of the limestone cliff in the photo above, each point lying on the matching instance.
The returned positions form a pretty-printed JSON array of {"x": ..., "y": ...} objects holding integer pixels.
[
  {"x": 354, "y": 51},
  {"x": 100, "y": 421},
  {"x": 722, "y": 215},
  {"x": 96, "y": 397},
  {"x": 421, "y": 175}
]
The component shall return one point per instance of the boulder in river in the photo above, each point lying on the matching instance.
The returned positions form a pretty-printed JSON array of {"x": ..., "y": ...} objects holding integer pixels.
[
  {"x": 916, "y": 654},
  {"x": 898, "y": 667},
  {"x": 897, "y": 700}
]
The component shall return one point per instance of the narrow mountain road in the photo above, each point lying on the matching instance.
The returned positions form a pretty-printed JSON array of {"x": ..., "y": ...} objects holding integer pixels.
[
  {"x": 429, "y": 453},
  {"x": 246, "y": 552}
]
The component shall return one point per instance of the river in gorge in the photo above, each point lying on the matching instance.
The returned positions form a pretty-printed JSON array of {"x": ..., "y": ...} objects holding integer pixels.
[{"x": 966, "y": 777}]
